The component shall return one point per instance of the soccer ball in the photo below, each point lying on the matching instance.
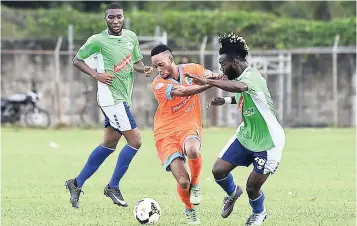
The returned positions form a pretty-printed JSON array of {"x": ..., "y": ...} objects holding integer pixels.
[{"x": 147, "y": 211}]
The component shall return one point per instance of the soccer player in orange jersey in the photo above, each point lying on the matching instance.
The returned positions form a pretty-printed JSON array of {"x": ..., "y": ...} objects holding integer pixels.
[{"x": 178, "y": 124}]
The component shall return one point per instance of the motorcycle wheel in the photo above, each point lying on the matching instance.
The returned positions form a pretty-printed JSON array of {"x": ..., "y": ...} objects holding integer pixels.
[{"x": 37, "y": 117}]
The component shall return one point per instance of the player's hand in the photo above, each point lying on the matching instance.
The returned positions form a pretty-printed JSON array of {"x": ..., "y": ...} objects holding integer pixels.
[
  {"x": 148, "y": 71},
  {"x": 104, "y": 78},
  {"x": 216, "y": 102},
  {"x": 216, "y": 76},
  {"x": 222, "y": 77},
  {"x": 199, "y": 80}
]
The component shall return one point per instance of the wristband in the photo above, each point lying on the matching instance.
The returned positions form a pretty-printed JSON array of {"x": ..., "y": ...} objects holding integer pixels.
[{"x": 228, "y": 100}]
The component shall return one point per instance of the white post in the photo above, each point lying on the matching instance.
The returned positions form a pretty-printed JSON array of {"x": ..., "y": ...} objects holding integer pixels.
[
  {"x": 70, "y": 71},
  {"x": 220, "y": 110},
  {"x": 300, "y": 89},
  {"x": 202, "y": 50},
  {"x": 281, "y": 90},
  {"x": 57, "y": 79},
  {"x": 127, "y": 23},
  {"x": 354, "y": 100},
  {"x": 289, "y": 84},
  {"x": 214, "y": 58},
  {"x": 219, "y": 93},
  {"x": 164, "y": 38},
  {"x": 335, "y": 81},
  {"x": 203, "y": 94},
  {"x": 157, "y": 31}
]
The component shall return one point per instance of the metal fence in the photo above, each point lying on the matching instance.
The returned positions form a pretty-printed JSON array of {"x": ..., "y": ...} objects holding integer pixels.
[{"x": 310, "y": 87}]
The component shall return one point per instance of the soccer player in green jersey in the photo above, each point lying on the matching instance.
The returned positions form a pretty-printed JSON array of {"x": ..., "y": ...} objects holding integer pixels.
[
  {"x": 117, "y": 55},
  {"x": 259, "y": 139}
]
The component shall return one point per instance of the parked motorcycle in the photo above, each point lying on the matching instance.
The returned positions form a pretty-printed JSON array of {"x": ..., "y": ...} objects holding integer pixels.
[{"x": 25, "y": 105}]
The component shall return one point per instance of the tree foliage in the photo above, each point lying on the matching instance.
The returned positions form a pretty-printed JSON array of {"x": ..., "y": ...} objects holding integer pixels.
[
  {"x": 185, "y": 28},
  {"x": 319, "y": 10}
]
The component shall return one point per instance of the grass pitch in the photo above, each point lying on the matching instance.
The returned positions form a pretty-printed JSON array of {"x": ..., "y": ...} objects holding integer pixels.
[{"x": 314, "y": 185}]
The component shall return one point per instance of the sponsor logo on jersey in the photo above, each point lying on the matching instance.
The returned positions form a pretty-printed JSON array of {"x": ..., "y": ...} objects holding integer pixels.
[
  {"x": 123, "y": 63},
  {"x": 248, "y": 112},
  {"x": 188, "y": 81},
  {"x": 130, "y": 45}
]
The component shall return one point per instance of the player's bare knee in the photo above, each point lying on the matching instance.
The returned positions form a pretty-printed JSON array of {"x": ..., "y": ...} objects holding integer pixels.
[
  {"x": 111, "y": 138},
  {"x": 110, "y": 141},
  {"x": 135, "y": 143},
  {"x": 192, "y": 152},
  {"x": 112, "y": 144},
  {"x": 218, "y": 172},
  {"x": 253, "y": 190},
  {"x": 192, "y": 148},
  {"x": 133, "y": 139},
  {"x": 183, "y": 182}
]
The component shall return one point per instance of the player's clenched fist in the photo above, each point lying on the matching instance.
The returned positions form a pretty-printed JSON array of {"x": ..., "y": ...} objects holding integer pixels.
[
  {"x": 148, "y": 71},
  {"x": 216, "y": 101},
  {"x": 104, "y": 78}
]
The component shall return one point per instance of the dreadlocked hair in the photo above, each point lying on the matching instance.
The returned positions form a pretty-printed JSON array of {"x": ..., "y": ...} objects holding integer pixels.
[{"x": 233, "y": 45}]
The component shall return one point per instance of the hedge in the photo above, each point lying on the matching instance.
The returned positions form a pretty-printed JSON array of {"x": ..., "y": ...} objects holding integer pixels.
[{"x": 186, "y": 29}]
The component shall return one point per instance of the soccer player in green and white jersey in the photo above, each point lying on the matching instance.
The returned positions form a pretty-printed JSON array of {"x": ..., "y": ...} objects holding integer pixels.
[
  {"x": 259, "y": 139},
  {"x": 117, "y": 55}
]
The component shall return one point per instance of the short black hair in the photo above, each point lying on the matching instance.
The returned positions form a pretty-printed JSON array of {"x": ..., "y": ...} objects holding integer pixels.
[
  {"x": 113, "y": 6},
  {"x": 160, "y": 49},
  {"x": 233, "y": 45}
]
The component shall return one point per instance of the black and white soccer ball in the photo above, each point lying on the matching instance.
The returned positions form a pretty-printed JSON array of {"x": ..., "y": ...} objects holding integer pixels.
[{"x": 147, "y": 211}]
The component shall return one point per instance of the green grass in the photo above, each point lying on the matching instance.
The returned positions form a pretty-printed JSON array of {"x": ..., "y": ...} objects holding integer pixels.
[{"x": 315, "y": 183}]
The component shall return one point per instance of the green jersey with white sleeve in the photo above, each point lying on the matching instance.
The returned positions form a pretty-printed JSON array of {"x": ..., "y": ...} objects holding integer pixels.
[
  {"x": 260, "y": 129},
  {"x": 116, "y": 56}
]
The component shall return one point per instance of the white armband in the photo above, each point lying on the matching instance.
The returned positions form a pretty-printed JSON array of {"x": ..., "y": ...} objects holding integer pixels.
[{"x": 227, "y": 100}]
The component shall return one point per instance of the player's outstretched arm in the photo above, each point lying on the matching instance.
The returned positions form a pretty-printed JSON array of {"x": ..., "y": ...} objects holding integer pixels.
[
  {"x": 228, "y": 85},
  {"x": 182, "y": 91}
]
